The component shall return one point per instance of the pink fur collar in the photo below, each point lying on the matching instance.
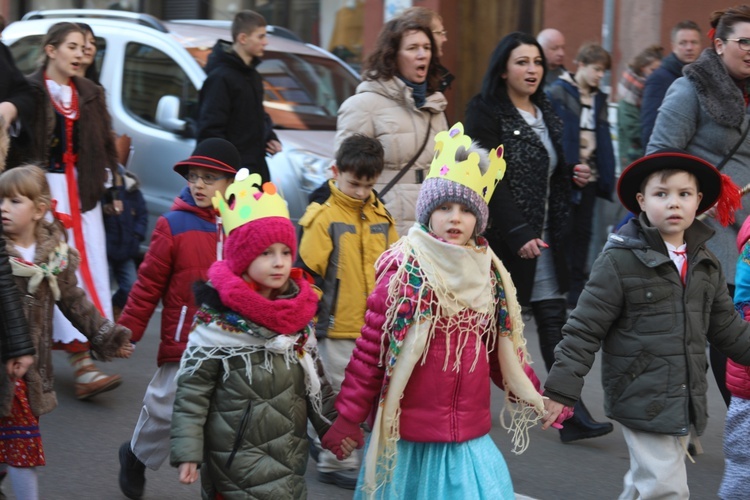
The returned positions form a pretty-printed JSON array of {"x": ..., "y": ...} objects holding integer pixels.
[{"x": 285, "y": 315}]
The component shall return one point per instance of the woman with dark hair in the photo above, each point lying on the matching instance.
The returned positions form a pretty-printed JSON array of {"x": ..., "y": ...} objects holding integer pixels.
[
  {"x": 75, "y": 145},
  {"x": 398, "y": 103},
  {"x": 530, "y": 207},
  {"x": 87, "y": 68},
  {"x": 705, "y": 114}
]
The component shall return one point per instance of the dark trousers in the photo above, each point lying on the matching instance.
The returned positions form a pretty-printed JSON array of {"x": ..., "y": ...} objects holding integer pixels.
[{"x": 580, "y": 230}]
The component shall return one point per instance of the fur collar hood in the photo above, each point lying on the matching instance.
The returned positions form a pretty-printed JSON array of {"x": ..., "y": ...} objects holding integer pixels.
[{"x": 718, "y": 93}]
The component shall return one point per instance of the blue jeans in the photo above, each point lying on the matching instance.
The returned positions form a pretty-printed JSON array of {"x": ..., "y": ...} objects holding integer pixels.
[{"x": 125, "y": 274}]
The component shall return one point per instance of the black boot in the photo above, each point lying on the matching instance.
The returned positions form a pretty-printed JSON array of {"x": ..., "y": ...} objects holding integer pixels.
[
  {"x": 549, "y": 316},
  {"x": 582, "y": 425}
]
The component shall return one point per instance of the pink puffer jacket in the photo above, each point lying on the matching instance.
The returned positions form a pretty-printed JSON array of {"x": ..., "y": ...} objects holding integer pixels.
[
  {"x": 738, "y": 376},
  {"x": 438, "y": 405}
]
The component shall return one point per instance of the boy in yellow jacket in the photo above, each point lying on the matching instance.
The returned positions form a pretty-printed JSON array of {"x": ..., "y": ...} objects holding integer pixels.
[{"x": 344, "y": 231}]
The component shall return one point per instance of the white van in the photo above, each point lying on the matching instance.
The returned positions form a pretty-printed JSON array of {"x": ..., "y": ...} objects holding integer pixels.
[{"x": 152, "y": 71}]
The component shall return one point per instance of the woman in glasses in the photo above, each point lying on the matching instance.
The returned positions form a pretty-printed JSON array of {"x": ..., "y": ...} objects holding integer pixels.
[{"x": 705, "y": 114}]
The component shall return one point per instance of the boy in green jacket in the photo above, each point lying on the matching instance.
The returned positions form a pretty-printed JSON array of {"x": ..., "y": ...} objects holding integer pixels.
[{"x": 655, "y": 296}]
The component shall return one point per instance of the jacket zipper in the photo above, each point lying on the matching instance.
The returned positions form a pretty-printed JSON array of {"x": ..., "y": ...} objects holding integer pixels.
[
  {"x": 240, "y": 434},
  {"x": 180, "y": 323},
  {"x": 454, "y": 407}
]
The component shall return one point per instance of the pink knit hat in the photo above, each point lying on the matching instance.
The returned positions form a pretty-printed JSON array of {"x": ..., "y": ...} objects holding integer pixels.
[{"x": 245, "y": 243}]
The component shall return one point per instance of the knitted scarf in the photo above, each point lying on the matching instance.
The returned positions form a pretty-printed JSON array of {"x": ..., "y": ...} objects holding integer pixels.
[
  {"x": 283, "y": 315},
  {"x": 468, "y": 292},
  {"x": 418, "y": 91},
  {"x": 630, "y": 88}
]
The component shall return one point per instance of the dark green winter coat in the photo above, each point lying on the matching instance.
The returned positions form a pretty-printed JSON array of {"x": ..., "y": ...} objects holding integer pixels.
[
  {"x": 250, "y": 434},
  {"x": 652, "y": 331}
]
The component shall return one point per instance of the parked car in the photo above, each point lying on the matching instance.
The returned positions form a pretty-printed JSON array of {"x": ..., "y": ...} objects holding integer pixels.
[{"x": 152, "y": 71}]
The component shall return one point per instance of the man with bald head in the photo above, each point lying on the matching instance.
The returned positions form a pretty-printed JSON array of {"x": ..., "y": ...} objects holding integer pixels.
[{"x": 553, "y": 44}]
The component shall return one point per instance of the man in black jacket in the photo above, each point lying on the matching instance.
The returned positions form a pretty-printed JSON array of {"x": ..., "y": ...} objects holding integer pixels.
[
  {"x": 231, "y": 99},
  {"x": 686, "y": 47}
]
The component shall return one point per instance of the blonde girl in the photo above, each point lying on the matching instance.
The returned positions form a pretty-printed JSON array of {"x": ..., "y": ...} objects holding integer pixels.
[{"x": 44, "y": 269}]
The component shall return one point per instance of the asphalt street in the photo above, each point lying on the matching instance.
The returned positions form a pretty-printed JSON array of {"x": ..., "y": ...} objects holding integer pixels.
[{"x": 81, "y": 440}]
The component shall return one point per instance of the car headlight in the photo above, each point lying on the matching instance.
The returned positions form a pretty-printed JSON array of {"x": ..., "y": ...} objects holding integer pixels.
[{"x": 311, "y": 169}]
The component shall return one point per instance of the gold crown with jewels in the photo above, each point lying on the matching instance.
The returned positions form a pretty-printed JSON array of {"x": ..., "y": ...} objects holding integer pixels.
[
  {"x": 247, "y": 200},
  {"x": 467, "y": 172}
]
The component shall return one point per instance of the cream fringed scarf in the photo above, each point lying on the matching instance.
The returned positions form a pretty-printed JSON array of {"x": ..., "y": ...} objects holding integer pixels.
[{"x": 452, "y": 283}]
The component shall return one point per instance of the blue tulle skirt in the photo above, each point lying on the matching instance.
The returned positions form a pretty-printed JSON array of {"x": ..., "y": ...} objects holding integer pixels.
[{"x": 435, "y": 471}]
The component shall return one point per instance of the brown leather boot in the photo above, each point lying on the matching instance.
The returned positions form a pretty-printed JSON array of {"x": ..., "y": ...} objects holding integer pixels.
[{"x": 90, "y": 381}]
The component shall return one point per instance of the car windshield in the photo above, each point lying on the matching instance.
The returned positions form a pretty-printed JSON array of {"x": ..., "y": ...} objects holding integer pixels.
[{"x": 302, "y": 92}]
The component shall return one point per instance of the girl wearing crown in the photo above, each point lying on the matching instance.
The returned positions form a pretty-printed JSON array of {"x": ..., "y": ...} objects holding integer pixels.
[
  {"x": 250, "y": 377},
  {"x": 442, "y": 322},
  {"x": 74, "y": 144}
]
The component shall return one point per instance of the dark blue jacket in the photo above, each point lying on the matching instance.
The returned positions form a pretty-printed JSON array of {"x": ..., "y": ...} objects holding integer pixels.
[
  {"x": 654, "y": 91},
  {"x": 126, "y": 231},
  {"x": 566, "y": 101}
]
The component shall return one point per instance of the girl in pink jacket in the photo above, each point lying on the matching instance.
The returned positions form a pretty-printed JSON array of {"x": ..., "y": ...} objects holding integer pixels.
[
  {"x": 736, "y": 480},
  {"x": 442, "y": 321}
]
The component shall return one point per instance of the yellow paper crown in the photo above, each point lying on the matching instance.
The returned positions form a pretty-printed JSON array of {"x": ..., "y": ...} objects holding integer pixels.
[
  {"x": 467, "y": 172},
  {"x": 246, "y": 200}
]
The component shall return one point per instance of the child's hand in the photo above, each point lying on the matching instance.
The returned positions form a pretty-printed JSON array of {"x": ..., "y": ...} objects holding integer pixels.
[
  {"x": 125, "y": 351},
  {"x": 552, "y": 409},
  {"x": 348, "y": 445},
  {"x": 188, "y": 472},
  {"x": 17, "y": 367},
  {"x": 343, "y": 432}
]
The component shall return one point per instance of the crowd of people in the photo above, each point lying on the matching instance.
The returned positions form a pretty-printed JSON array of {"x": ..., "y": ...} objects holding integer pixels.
[{"x": 368, "y": 337}]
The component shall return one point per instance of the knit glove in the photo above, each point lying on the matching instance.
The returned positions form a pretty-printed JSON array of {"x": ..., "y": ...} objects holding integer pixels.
[
  {"x": 562, "y": 417},
  {"x": 341, "y": 429},
  {"x": 567, "y": 411}
]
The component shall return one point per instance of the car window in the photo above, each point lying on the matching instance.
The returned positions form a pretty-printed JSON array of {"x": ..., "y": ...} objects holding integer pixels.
[
  {"x": 304, "y": 92},
  {"x": 26, "y": 52},
  {"x": 149, "y": 74}
]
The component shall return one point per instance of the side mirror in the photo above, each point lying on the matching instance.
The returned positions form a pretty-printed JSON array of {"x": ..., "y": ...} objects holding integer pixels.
[{"x": 167, "y": 114}]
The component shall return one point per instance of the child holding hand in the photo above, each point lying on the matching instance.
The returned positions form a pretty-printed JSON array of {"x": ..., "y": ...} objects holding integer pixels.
[
  {"x": 656, "y": 295},
  {"x": 44, "y": 270},
  {"x": 442, "y": 321},
  {"x": 250, "y": 377}
]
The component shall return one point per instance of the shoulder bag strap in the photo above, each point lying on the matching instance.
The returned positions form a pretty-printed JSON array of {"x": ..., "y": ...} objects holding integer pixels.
[
  {"x": 406, "y": 168},
  {"x": 734, "y": 149}
]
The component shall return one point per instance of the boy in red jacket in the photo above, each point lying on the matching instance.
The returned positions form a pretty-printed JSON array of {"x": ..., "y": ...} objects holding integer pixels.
[{"x": 183, "y": 247}]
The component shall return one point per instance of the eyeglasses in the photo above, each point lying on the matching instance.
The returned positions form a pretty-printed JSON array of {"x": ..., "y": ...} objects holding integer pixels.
[
  {"x": 208, "y": 179},
  {"x": 441, "y": 33},
  {"x": 744, "y": 43}
]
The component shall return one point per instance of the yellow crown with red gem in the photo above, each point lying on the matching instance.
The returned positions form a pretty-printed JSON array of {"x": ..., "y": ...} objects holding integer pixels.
[
  {"x": 246, "y": 200},
  {"x": 467, "y": 172}
]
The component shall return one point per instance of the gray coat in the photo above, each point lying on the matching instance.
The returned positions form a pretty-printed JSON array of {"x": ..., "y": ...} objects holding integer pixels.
[
  {"x": 704, "y": 114},
  {"x": 652, "y": 331}
]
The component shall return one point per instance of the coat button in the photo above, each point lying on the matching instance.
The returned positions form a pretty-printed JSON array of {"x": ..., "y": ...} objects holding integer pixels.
[
  {"x": 683, "y": 386},
  {"x": 516, "y": 132},
  {"x": 649, "y": 295}
]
